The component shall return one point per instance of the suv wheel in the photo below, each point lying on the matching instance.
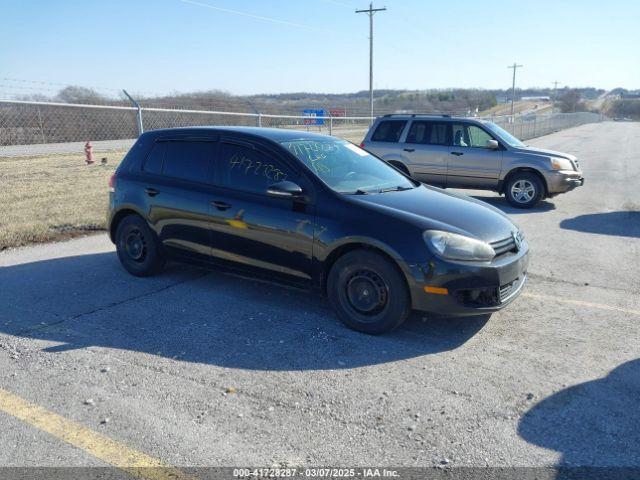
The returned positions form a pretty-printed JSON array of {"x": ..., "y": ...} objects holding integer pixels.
[
  {"x": 368, "y": 293},
  {"x": 524, "y": 190},
  {"x": 137, "y": 247}
]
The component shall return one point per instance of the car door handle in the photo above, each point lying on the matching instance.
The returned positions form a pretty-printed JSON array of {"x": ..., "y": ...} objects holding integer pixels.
[
  {"x": 221, "y": 205},
  {"x": 457, "y": 154},
  {"x": 152, "y": 192},
  {"x": 409, "y": 149}
]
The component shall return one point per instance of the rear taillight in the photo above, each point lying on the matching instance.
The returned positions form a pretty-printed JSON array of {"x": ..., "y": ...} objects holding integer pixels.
[
  {"x": 112, "y": 183},
  {"x": 362, "y": 145}
]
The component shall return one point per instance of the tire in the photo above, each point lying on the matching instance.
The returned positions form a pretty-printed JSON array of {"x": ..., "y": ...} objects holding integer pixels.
[
  {"x": 524, "y": 190},
  {"x": 138, "y": 247},
  {"x": 402, "y": 167},
  {"x": 368, "y": 292}
]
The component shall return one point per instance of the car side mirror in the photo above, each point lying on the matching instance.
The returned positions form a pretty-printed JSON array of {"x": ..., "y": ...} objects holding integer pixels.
[
  {"x": 285, "y": 189},
  {"x": 492, "y": 144}
]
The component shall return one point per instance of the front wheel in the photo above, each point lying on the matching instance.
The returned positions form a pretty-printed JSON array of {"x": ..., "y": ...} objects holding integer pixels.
[
  {"x": 138, "y": 248},
  {"x": 524, "y": 190},
  {"x": 368, "y": 292}
]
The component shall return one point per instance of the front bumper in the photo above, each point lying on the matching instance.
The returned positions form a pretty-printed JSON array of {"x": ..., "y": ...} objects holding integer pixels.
[
  {"x": 561, "y": 181},
  {"x": 472, "y": 289}
]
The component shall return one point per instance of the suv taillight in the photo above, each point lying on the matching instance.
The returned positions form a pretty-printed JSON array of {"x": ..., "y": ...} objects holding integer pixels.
[{"x": 112, "y": 183}]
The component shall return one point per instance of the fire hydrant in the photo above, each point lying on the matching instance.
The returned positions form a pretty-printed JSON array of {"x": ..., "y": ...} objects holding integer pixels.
[{"x": 88, "y": 152}]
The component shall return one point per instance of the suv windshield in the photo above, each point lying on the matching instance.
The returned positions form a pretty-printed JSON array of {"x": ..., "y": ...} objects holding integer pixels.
[
  {"x": 347, "y": 168},
  {"x": 504, "y": 135}
]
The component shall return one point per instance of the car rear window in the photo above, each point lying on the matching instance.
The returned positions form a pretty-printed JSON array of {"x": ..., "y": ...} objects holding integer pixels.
[
  {"x": 429, "y": 133},
  {"x": 185, "y": 160},
  {"x": 388, "y": 131},
  {"x": 153, "y": 163}
]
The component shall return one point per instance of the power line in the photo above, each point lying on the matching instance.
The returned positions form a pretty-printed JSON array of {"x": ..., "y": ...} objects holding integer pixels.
[
  {"x": 258, "y": 17},
  {"x": 371, "y": 12},
  {"x": 515, "y": 66}
]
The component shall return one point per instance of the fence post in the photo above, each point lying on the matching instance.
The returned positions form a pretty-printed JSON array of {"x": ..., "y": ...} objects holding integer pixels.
[
  {"x": 44, "y": 138},
  {"x": 330, "y": 124},
  {"x": 138, "y": 114},
  {"x": 259, "y": 119},
  {"x": 535, "y": 120}
]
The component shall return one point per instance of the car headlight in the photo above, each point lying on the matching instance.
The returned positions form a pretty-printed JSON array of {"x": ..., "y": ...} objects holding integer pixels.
[
  {"x": 561, "y": 164},
  {"x": 458, "y": 247}
]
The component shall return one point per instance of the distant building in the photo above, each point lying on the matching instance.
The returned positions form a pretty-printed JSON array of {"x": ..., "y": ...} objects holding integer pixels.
[{"x": 538, "y": 98}]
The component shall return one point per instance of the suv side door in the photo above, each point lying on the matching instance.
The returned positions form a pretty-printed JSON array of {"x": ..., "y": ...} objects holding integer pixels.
[
  {"x": 272, "y": 235},
  {"x": 426, "y": 148},
  {"x": 176, "y": 188},
  {"x": 471, "y": 164}
]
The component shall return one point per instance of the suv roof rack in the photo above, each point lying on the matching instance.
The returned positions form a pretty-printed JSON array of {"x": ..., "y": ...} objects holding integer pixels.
[{"x": 413, "y": 115}]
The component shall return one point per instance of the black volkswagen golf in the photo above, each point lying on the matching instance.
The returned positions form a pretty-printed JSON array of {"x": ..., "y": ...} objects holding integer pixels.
[{"x": 317, "y": 212}]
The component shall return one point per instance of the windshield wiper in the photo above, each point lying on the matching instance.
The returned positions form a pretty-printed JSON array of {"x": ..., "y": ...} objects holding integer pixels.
[
  {"x": 358, "y": 192},
  {"x": 395, "y": 189}
]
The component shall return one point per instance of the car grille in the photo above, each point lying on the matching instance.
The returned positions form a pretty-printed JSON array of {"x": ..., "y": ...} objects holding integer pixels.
[
  {"x": 490, "y": 297},
  {"x": 504, "y": 246},
  {"x": 510, "y": 288}
]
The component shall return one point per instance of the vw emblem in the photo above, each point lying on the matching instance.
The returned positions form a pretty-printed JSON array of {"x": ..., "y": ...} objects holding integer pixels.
[{"x": 516, "y": 240}]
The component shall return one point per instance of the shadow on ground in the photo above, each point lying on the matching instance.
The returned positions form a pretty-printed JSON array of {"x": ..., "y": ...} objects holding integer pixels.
[
  {"x": 623, "y": 224},
  {"x": 594, "y": 425},
  {"x": 196, "y": 316},
  {"x": 502, "y": 204}
]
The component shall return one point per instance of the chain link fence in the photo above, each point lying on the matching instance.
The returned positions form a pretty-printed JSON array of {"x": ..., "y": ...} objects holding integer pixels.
[{"x": 33, "y": 128}]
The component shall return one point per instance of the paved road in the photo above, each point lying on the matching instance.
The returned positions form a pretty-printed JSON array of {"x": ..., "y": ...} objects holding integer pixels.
[{"x": 554, "y": 379}]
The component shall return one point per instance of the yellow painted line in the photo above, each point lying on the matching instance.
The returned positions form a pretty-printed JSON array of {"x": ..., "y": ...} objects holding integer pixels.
[
  {"x": 581, "y": 303},
  {"x": 133, "y": 462}
]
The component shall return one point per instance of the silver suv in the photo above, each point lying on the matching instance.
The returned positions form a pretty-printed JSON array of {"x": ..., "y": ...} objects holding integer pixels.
[{"x": 462, "y": 152}]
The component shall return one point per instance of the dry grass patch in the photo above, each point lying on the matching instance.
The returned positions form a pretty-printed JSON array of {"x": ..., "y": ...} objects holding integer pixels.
[{"x": 52, "y": 197}]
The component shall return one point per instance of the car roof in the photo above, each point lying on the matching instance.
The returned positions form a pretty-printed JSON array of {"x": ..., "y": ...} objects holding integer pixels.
[
  {"x": 429, "y": 116},
  {"x": 273, "y": 134}
]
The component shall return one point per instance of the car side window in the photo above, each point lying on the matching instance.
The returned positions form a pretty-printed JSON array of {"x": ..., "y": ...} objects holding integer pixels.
[
  {"x": 248, "y": 169},
  {"x": 388, "y": 131},
  {"x": 184, "y": 160},
  {"x": 428, "y": 133},
  {"x": 153, "y": 163},
  {"x": 470, "y": 136}
]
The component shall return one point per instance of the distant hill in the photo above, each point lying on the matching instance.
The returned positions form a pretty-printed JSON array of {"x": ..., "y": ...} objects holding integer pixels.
[{"x": 453, "y": 101}]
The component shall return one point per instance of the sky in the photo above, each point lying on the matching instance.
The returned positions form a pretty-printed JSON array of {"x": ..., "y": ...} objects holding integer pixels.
[{"x": 275, "y": 46}]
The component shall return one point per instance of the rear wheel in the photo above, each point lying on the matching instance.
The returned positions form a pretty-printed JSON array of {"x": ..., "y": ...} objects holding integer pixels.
[
  {"x": 524, "y": 190},
  {"x": 138, "y": 248},
  {"x": 368, "y": 292}
]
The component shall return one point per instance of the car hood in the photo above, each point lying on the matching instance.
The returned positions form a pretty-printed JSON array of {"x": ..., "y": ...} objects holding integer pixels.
[
  {"x": 433, "y": 208},
  {"x": 545, "y": 152}
]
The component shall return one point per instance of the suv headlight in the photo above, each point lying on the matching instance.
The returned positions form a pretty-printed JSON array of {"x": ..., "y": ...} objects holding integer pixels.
[
  {"x": 561, "y": 164},
  {"x": 458, "y": 247}
]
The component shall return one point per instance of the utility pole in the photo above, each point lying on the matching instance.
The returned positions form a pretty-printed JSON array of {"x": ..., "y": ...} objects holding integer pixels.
[
  {"x": 371, "y": 12},
  {"x": 555, "y": 95},
  {"x": 515, "y": 66}
]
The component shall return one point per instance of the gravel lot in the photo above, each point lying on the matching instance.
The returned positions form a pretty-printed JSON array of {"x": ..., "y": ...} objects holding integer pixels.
[{"x": 207, "y": 369}]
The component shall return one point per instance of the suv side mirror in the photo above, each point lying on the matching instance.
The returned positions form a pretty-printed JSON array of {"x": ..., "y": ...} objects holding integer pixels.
[
  {"x": 285, "y": 189},
  {"x": 492, "y": 144}
]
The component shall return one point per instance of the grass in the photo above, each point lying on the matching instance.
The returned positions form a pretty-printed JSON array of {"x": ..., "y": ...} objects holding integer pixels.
[{"x": 48, "y": 198}]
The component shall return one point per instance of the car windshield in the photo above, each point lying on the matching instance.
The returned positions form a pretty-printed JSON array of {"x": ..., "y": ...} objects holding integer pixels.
[
  {"x": 504, "y": 135},
  {"x": 347, "y": 168}
]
